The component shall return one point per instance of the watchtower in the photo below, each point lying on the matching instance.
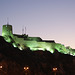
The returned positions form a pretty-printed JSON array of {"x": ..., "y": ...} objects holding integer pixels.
[{"x": 7, "y": 30}]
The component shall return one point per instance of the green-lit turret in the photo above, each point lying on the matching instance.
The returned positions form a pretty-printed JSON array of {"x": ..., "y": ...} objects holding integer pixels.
[{"x": 7, "y": 30}]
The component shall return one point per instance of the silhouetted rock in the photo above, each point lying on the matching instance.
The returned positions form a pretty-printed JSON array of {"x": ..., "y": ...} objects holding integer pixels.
[{"x": 39, "y": 62}]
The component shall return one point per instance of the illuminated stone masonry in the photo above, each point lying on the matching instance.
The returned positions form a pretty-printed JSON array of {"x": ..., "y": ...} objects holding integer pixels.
[{"x": 34, "y": 43}]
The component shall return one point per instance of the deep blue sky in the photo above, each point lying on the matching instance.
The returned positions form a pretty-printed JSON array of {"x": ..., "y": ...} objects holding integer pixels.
[{"x": 48, "y": 19}]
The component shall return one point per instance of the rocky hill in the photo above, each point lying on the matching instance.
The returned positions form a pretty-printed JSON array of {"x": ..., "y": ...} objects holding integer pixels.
[{"x": 40, "y": 62}]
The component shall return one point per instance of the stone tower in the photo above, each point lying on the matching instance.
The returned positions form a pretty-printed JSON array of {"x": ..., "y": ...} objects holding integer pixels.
[{"x": 7, "y": 30}]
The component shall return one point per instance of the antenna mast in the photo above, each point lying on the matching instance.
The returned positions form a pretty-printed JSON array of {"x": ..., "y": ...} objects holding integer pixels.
[
  {"x": 22, "y": 30},
  {"x": 25, "y": 30},
  {"x": 7, "y": 21}
]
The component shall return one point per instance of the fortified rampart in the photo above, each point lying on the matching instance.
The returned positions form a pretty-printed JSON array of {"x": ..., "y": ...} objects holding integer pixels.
[{"x": 34, "y": 43}]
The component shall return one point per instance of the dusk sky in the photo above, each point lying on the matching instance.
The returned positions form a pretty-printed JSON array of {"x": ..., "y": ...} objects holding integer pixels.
[{"x": 48, "y": 19}]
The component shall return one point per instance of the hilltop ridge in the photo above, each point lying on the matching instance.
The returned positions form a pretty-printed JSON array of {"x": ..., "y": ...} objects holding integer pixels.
[{"x": 40, "y": 62}]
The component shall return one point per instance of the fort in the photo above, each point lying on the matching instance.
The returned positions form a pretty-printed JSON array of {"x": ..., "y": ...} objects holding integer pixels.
[{"x": 34, "y": 43}]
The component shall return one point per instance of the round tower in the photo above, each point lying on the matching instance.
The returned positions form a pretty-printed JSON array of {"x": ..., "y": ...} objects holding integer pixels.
[{"x": 7, "y": 30}]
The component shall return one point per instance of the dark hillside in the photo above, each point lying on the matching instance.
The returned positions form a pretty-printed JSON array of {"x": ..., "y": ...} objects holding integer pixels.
[{"x": 40, "y": 62}]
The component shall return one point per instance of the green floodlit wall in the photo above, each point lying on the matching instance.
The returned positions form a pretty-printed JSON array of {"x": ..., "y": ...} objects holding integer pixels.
[
  {"x": 34, "y": 43},
  {"x": 6, "y": 30}
]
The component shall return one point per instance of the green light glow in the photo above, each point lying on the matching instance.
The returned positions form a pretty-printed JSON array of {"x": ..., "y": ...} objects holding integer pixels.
[
  {"x": 34, "y": 43},
  {"x": 14, "y": 44}
]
